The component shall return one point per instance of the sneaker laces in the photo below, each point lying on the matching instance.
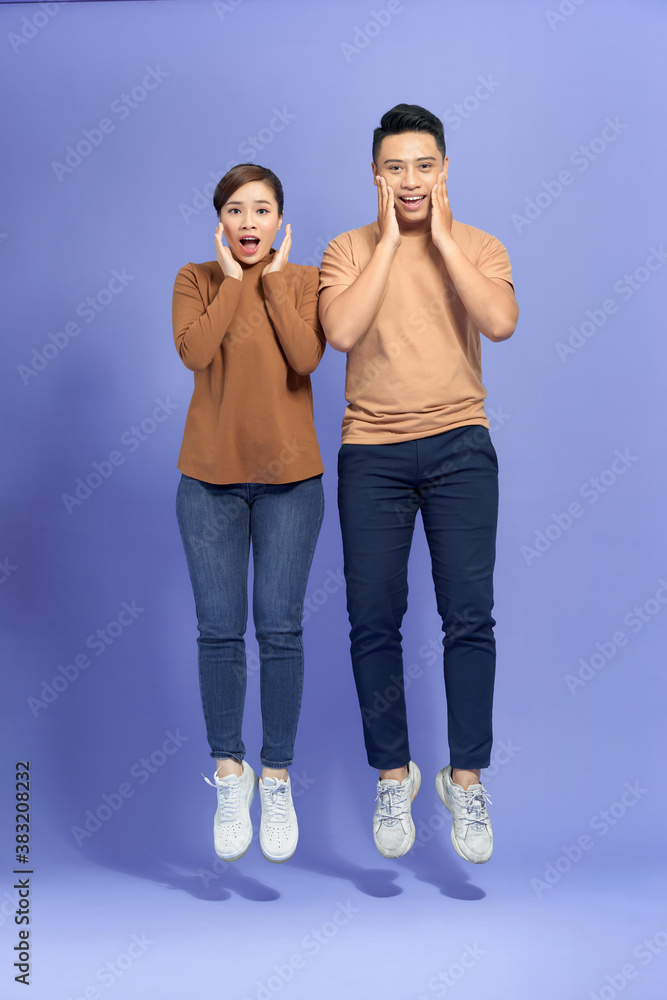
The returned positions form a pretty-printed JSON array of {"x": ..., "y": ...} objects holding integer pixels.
[
  {"x": 474, "y": 801},
  {"x": 228, "y": 798},
  {"x": 392, "y": 803},
  {"x": 275, "y": 800}
]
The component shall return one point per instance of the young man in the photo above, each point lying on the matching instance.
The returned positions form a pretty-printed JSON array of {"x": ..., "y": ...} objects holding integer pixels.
[{"x": 406, "y": 298}]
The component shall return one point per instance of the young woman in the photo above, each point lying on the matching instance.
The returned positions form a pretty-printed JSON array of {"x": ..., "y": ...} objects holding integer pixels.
[{"x": 246, "y": 325}]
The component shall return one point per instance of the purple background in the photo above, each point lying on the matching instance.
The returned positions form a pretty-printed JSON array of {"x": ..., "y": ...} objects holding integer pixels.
[{"x": 569, "y": 734}]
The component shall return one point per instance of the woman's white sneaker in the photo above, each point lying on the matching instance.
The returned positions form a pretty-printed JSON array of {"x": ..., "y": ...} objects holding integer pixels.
[
  {"x": 278, "y": 828},
  {"x": 232, "y": 828},
  {"x": 472, "y": 835},
  {"x": 393, "y": 829}
]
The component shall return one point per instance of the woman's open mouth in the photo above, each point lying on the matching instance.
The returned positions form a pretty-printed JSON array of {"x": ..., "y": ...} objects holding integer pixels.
[{"x": 249, "y": 245}]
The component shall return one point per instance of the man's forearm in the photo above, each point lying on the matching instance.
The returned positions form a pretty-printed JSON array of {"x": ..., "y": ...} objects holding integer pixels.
[
  {"x": 492, "y": 308},
  {"x": 348, "y": 315}
]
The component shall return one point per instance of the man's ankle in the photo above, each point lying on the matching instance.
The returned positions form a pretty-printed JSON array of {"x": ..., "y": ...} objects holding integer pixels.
[
  {"x": 466, "y": 777},
  {"x": 396, "y": 773}
]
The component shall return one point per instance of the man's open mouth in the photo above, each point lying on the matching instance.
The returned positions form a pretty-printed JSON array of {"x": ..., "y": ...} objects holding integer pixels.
[{"x": 413, "y": 201}]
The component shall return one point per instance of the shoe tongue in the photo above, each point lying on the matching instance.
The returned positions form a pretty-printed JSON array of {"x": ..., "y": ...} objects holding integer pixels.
[
  {"x": 270, "y": 782},
  {"x": 229, "y": 779}
]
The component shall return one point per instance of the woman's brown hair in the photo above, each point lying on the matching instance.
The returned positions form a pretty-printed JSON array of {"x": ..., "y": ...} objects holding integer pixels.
[{"x": 244, "y": 173}]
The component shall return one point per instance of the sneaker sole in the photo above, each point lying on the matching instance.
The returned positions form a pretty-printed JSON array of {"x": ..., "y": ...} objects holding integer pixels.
[
  {"x": 444, "y": 798},
  {"x": 413, "y": 831},
  {"x": 235, "y": 857},
  {"x": 278, "y": 861}
]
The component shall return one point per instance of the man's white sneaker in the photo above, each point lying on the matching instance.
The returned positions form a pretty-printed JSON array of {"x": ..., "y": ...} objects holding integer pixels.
[
  {"x": 278, "y": 828},
  {"x": 472, "y": 835},
  {"x": 232, "y": 829},
  {"x": 393, "y": 829}
]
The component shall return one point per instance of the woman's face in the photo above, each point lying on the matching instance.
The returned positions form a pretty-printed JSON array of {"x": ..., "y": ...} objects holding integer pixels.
[{"x": 250, "y": 221}]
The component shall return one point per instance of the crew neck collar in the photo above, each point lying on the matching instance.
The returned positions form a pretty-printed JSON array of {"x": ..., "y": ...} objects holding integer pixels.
[{"x": 417, "y": 239}]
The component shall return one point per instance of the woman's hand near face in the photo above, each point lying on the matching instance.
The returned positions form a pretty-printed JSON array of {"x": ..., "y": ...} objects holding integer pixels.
[
  {"x": 230, "y": 267},
  {"x": 280, "y": 258}
]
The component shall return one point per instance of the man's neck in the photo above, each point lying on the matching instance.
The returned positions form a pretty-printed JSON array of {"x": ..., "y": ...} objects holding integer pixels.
[{"x": 416, "y": 229}]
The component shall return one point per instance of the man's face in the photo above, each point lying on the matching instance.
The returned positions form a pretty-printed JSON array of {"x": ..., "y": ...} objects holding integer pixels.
[{"x": 410, "y": 163}]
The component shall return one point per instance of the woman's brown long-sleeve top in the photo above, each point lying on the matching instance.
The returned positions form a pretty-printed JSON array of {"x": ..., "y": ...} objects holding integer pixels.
[{"x": 252, "y": 344}]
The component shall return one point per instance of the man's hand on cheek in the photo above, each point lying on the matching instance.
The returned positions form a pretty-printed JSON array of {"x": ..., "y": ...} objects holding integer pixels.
[
  {"x": 387, "y": 221},
  {"x": 441, "y": 213}
]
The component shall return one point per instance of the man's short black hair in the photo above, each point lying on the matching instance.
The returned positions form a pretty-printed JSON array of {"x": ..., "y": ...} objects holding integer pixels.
[{"x": 408, "y": 118}]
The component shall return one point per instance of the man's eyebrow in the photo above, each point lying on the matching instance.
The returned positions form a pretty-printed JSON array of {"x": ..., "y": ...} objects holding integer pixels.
[{"x": 418, "y": 159}]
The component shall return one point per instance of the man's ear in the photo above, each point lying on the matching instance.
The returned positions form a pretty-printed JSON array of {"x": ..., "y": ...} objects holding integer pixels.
[
  {"x": 375, "y": 170},
  {"x": 445, "y": 166}
]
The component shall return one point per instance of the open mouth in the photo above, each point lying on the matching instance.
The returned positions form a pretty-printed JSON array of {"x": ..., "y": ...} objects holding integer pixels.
[
  {"x": 413, "y": 202},
  {"x": 249, "y": 244}
]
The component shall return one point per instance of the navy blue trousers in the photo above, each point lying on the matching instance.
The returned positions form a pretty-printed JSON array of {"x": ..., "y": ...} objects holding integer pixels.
[{"x": 452, "y": 478}]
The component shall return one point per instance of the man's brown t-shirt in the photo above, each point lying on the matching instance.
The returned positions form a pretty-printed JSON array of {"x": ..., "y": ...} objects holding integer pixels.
[{"x": 417, "y": 370}]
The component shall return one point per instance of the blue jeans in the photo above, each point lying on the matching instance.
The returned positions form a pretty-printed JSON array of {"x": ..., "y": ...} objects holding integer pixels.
[
  {"x": 453, "y": 479},
  {"x": 217, "y": 524}
]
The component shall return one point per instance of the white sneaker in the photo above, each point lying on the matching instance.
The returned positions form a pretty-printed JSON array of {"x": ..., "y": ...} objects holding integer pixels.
[
  {"x": 393, "y": 829},
  {"x": 278, "y": 828},
  {"x": 232, "y": 829},
  {"x": 472, "y": 835}
]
